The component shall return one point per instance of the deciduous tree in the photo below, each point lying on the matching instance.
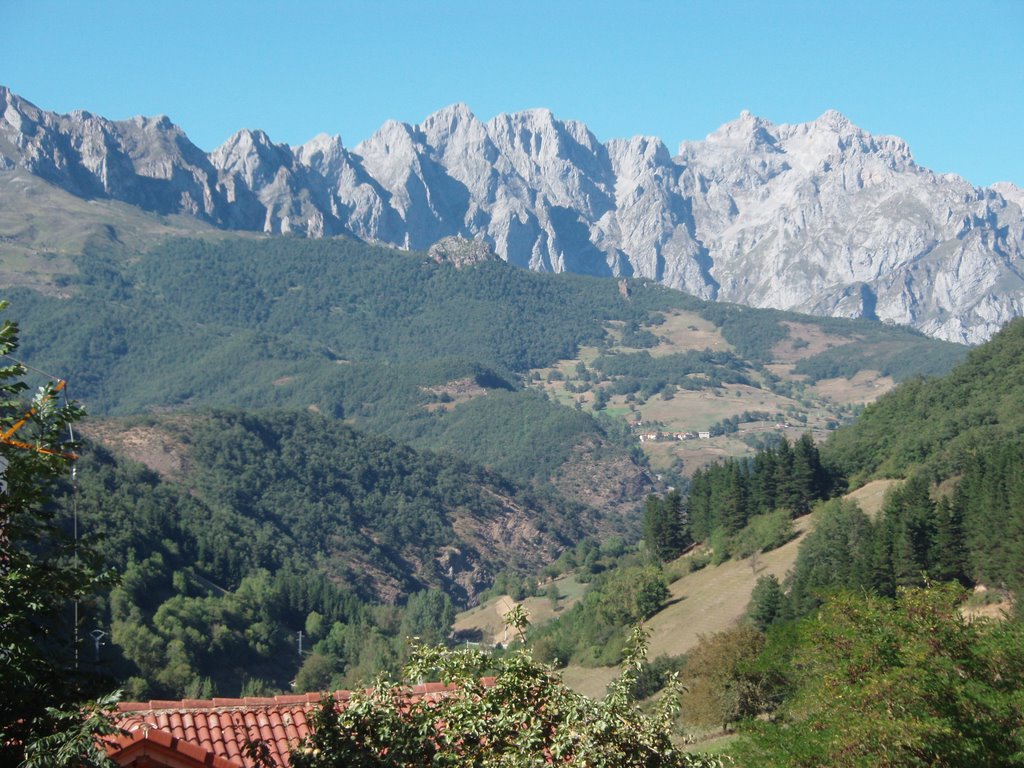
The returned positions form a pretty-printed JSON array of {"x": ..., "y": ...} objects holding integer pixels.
[
  {"x": 900, "y": 682},
  {"x": 524, "y": 715},
  {"x": 42, "y": 721}
]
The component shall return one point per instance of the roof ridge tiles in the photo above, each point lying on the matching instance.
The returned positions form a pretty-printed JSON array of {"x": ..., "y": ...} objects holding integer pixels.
[{"x": 218, "y": 703}]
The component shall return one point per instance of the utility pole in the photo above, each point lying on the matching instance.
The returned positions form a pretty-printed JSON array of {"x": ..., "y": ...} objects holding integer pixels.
[
  {"x": 97, "y": 638},
  {"x": 300, "y": 643}
]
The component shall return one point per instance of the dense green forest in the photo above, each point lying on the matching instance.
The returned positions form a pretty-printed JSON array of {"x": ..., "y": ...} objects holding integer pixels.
[
  {"x": 285, "y": 521},
  {"x": 197, "y": 322},
  {"x": 937, "y": 423},
  {"x": 973, "y": 535},
  {"x": 370, "y": 335},
  {"x": 727, "y": 495},
  {"x": 688, "y": 370},
  {"x": 896, "y": 351}
]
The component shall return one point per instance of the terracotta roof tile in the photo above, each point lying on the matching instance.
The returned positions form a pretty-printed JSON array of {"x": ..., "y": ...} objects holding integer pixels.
[
  {"x": 213, "y": 732},
  {"x": 221, "y": 727}
]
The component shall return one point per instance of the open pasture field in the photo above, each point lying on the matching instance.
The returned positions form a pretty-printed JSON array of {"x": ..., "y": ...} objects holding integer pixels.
[
  {"x": 684, "y": 331},
  {"x": 863, "y": 388}
]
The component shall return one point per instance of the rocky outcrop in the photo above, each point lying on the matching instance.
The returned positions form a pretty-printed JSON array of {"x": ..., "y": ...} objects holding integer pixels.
[
  {"x": 460, "y": 252},
  {"x": 819, "y": 217}
]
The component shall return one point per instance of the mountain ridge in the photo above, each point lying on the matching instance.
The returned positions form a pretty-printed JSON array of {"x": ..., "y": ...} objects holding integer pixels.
[{"x": 819, "y": 216}]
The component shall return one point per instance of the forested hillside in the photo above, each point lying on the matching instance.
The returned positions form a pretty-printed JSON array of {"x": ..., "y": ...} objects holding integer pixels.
[
  {"x": 372, "y": 335},
  {"x": 270, "y": 518},
  {"x": 384, "y": 338},
  {"x": 938, "y": 424},
  {"x": 959, "y": 515},
  {"x": 275, "y": 521}
]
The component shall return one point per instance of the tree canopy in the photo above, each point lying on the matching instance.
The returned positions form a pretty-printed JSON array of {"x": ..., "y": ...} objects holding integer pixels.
[
  {"x": 904, "y": 681},
  {"x": 505, "y": 710},
  {"x": 43, "y": 573}
]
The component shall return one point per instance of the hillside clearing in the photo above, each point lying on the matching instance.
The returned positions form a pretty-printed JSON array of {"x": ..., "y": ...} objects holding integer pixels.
[
  {"x": 871, "y": 496},
  {"x": 714, "y": 599},
  {"x": 486, "y": 620}
]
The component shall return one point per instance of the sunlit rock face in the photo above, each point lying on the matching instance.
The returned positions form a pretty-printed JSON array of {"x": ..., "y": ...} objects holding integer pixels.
[{"x": 818, "y": 217}]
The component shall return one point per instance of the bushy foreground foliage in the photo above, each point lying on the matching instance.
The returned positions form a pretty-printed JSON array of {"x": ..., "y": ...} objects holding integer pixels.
[
  {"x": 41, "y": 574},
  {"x": 522, "y": 715},
  {"x": 905, "y": 681},
  {"x": 593, "y": 631}
]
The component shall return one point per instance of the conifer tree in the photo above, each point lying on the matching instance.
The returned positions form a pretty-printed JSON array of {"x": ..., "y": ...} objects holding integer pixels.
[
  {"x": 664, "y": 530},
  {"x": 766, "y": 602},
  {"x": 699, "y": 506},
  {"x": 734, "y": 504},
  {"x": 784, "y": 473},
  {"x": 947, "y": 556},
  {"x": 764, "y": 482}
]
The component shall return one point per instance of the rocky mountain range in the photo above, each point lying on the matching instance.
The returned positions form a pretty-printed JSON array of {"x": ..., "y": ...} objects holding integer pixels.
[{"x": 819, "y": 217}]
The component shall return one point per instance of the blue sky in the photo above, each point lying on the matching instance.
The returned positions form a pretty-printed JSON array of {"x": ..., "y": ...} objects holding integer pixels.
[{"x": 946, "y": 76}]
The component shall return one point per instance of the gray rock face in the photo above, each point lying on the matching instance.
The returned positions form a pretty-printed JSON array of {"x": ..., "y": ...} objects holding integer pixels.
[
  {"x": 825, "y": 218},
  {"x": 147, "y": 162},
  {"x": 820, "y": 217}
]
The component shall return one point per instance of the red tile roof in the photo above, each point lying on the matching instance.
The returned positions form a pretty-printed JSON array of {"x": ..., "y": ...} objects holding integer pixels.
[{"x": 213, "y": 732}]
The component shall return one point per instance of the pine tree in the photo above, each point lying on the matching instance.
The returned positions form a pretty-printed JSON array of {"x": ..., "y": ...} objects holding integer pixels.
[
  {"x": 809, "y": 479},
  {"x": 784, "y": 482},
  {"x": 883, "y": 580},
  {"x": 766, "y": 602},
  {"x": 699, "y": 506},
  {"x": 837, "y": 554},
  {"x": 664, "y": 530},
  {"x": 909, "y": 513},
  {"x": 764, "y": 482},
  {"x": 734, "y": 503}
]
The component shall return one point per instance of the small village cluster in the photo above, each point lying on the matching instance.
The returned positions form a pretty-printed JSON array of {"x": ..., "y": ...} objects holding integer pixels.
[{"x": 652, "y": 435}]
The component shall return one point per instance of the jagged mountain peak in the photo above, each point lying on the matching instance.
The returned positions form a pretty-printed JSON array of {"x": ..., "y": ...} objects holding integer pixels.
[
  {"x": 155, "y": 123},
  {"x": 455, "y": 124},
  {"x": 835, "y": 120},
  {"x": 322, "y": 142},
  {"x": 451, "y": 115},
  {"x": 747, "y": 131},
  {"x": 643, "y": 146},
  {"x": 834, "y": 134},
  {"x": 820, "y": 216},
  {"x": 540, "y": 123},
  {"x": 247, "y": 137},
  {"x": 1010, "y": 191},
  {"x": 323, "y": 152},
  {"x": 392, "y": 138},
  {"x": 18, "y": 115},
  {"x": 251, "y": 154}
]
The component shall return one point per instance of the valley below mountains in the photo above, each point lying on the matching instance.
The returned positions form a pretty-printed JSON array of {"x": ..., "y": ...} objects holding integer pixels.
[
  {"x": 340, "y": 394},
  {"x": 819, "y": 217}
]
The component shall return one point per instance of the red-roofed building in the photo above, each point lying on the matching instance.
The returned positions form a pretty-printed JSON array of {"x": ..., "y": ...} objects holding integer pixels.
[{"x": 213, "y": 733}]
